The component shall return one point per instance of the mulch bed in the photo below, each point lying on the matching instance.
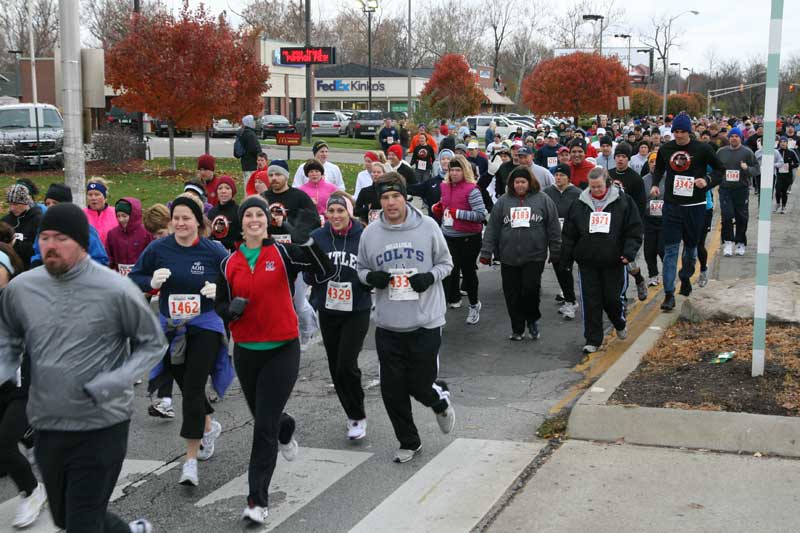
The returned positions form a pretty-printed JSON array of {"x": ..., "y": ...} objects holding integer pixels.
[{"x": 677, "y": 372}]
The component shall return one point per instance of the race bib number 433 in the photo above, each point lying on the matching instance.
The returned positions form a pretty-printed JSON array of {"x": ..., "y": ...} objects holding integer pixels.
[
  {"x": 399, "y": 286},
  {"x": 683, "y": 186},
  {"x": 183, "y": 306}
]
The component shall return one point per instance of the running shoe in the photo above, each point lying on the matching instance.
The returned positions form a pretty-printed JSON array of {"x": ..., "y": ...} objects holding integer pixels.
[
  {"x": 289, "y": 451},
  {"x": 740, "y": 248},
  {"x": 454, "y": 305},
  {"x": 654, "y": 281},
  {"x": 516, "y": 337},
  {"x": 686, "y": 288},
  {"x": 783, "y": 210},
  {"x": 140, "y": 526},
  {"x": 29, "y": 507},
  {"x": 568, "y": 310},
  {"x": 474, "y": 314},
  {"x": 669, "y": 302},
  {"x": 208, "y": 440},
  {"x": 560, "y": 298},
  {"x": 356, "y": 429},
  {"x": 403, "y": 456},
  {"x": 641, "y": 289},
  {"x": 622, "y": 334},
  {"x": 702, "y": 281},
  {"x": 589, "y": 348},
  {"x": 254, "y": 513},
  {"x": 189, "y": 473},
  {"x": 727, "y": 249},
  {"x": 533, "y": 328},
  {"x": 161, "y": 408}
]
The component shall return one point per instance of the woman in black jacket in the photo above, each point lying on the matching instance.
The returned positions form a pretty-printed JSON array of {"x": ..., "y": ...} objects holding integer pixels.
[{"x": 24, "y": 217}]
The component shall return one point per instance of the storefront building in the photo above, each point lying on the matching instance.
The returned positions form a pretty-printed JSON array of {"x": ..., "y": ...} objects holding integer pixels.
[
  {"x": 346, "y": 87},
  {"x": 287, "y": 93}
]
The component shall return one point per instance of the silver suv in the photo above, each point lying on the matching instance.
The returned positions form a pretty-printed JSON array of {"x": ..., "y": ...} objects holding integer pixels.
[{"x": 18, "y": 139}]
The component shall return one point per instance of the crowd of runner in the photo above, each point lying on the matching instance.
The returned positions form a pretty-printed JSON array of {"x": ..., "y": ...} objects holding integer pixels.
[{"x": 264, "y": 276}]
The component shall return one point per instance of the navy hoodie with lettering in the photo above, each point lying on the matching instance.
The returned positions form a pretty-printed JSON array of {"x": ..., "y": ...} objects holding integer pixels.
[{"x": 343, "y": 253}]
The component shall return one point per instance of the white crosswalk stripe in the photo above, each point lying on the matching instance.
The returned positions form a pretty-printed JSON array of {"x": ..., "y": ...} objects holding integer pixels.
[
  {"x": 303, "y": 479},
  {"x": 454, "y": 490},
  {"x": 132, "y": 469}
]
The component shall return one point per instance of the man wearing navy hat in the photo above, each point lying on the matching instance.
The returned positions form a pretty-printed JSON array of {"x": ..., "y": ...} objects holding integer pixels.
[{"x": 683, "y": 161}]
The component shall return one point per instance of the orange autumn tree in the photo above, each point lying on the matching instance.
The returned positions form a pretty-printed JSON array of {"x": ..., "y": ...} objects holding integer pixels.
[
  {"x": 186, "y": 70},
  {"x": 452, "y": 90},
  {"x": 645, "y": 102},
  {"x": 575, "y": 84}
]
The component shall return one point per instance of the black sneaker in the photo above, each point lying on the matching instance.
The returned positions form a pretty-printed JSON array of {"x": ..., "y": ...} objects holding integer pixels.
[
  {"x": 533, "y": 328},
  {"x": 669, "y": 302},
  {"x": 686, "y": 288},
  {"x": 560, "y": 298}
]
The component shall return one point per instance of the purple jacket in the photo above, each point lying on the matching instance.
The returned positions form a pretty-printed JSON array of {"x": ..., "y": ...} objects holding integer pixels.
[{"x": 125, "y": 245}]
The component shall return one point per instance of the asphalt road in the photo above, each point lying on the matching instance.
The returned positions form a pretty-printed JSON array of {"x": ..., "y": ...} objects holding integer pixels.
[
  {"x": 223, "y": 147},
  {"x": 501, "y": 392}
]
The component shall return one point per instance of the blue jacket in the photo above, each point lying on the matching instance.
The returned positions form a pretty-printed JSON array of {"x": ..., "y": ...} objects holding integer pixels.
[
  {"x": 96, "y": 250},
  {"x": 343, "y": 253}
]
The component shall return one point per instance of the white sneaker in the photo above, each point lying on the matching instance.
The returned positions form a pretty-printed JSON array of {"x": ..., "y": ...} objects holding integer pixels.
[
  {"x": 446, "y": 419},
  {"x": 727, "y": 249},
  {"x": 161, "y": 408},
  {"x": 740, "y": 248},
  {"x": 589, "y": 348},
  {"x": 254, "y": 513},
  {"x": 568, "y": 310},
  {"x": 208, "y": 440},
  {"x": 29, "y": 507},
  {"x": 454, "y": 305},
  {"x": 289, "y": 451},
  {"x": 622, "y": 334},
  {"x": 653, "y": 281},
  {"x": 356, "y": 429},
  {"x": 474, "y": 313},
  {"x": 403, "y": 456},
  {"x": 189, "y": 473},
  {"x": 140, "y": 526}
]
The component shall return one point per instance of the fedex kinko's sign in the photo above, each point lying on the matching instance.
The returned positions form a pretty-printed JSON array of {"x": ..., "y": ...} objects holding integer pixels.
[{"x": 349, "y": 85}]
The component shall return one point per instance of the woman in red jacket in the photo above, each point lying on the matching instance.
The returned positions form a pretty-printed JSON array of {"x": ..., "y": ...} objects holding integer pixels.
[{"x": 254, "y": 294}]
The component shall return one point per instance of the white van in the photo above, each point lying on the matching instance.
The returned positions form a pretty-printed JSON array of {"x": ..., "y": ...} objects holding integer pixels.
[{"x": 480, "y": 123}]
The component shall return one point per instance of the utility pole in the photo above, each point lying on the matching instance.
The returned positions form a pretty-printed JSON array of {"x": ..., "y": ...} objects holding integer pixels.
[
  {"x": 626, "y": 36},
  {"x": 679, "y": 74},
  {"x": 34, "y": 88},
  {"x": 309, "y": 112},
  {"x": 601, "y": 18},
  {"x": 667, "y": 32},
  {"x": 72, "y": 97},
  {"x": 408, "y": 59},
  {"x": 689, "y": 78}
]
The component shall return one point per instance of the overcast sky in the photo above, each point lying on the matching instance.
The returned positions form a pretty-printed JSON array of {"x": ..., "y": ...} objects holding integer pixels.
[{"x": 734, "y": 28}]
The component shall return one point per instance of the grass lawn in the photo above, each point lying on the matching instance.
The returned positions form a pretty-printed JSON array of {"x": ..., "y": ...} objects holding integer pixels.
[
  {"x": 155, "y": 183},
  {"x": 341, "y": 142}
]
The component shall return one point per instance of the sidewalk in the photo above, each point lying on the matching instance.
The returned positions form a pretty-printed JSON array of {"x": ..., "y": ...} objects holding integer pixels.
[{"x": 588, "y": 486}]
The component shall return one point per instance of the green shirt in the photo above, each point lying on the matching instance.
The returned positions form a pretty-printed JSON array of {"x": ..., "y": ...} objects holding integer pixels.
[{"x": 251, "y": 254}]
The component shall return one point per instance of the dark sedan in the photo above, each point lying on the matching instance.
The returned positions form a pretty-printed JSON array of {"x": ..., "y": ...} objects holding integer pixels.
[{"x": 273, "y": 124}]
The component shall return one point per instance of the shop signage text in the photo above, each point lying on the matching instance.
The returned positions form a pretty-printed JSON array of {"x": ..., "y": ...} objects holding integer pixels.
[{"x": 353, "y": 85}]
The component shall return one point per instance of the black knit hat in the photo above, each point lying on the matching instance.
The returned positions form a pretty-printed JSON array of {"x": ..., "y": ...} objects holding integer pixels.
[
  {"x": 254, "y": 201},
  {"x": 564, "y": 169},
  {"x": 191, "y": 204},
  {"x": 60, "y": 193},
  {"x": 623, "y": 149},
  {"x": 313, "y": 164},
  {"x": 69, "y": 219}
]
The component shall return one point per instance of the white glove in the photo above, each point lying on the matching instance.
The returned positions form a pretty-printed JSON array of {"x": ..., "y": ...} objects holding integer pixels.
[
  {"x": 159, "y": 277},
  {"x": 209, "y": 290}
]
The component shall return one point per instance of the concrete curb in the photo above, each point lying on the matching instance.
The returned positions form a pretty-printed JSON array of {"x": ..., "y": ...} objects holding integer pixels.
[{"x": 592, "y": 419}]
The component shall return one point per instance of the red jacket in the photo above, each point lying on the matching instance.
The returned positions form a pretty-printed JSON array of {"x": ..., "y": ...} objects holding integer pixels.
[
  {"x": 580, "y": 174},
  {"x": 125, "y": 245},
  {"x": 269, "y": 315}
]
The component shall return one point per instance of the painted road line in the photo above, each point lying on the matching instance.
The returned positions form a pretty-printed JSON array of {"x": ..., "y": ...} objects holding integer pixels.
[
  {"x": 454, "y": 490},
  {"x": 302, "y": 480},
  {"x": 132, "y": 469}
]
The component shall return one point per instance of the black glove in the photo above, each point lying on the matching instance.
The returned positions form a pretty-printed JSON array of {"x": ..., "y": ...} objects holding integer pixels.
[
  {"x": 379, "y": 279},
  {"x": 421, "y": 282},
  {"x": 554, "y": 259},
  {"x": 236, "y": 307}
]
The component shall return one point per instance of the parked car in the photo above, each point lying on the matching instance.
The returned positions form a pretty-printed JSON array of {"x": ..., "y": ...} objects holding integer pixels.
[
  {"x": 324, "y": 123},
  {"x": 345, "y": 117},
  {"x": 223, "y": 128},
  {"x": 272, "y": 124},
  {"x": 18, "y": 136},
  {"x": 161, "y": 129},
  {"x": 480, "y": 123},
  {"x": 120, "y": 117},
  {"x": 365, "y": 124}
]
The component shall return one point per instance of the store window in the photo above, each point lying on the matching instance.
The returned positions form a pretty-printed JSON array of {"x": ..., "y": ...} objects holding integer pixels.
[{"x": 330, "y": 105}]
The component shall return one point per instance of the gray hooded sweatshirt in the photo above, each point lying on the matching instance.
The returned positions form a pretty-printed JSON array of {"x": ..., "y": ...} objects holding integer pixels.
[
  {"x": 78, "y": 330},
  {"x": 417, "y": 243}
]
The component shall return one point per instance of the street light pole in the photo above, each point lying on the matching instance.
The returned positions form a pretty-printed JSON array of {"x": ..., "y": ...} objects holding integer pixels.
[
  {"x": 17, "y": 73},
  {"x": 689, "y": 79},
  {"x": 667, "y": 32},
  {"x": 408, "y": 60},
  {"x": 369, "y": 7},
  {"x": 679, "y": 74},
  {"x": 137, "y": 8},
  {"x": 601, "y": 18},
  {"x": 309, "y": 112},
  {"x": 626, "y": 36}
]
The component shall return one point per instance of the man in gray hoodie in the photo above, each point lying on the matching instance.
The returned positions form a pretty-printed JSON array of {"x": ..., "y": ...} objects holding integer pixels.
[
  {"x": 404, "y": 256},
  {"x": 88, "y": 334}
]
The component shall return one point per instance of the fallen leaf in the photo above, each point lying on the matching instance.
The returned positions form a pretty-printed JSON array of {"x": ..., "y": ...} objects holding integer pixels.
[{"x": 696, "y": 506}]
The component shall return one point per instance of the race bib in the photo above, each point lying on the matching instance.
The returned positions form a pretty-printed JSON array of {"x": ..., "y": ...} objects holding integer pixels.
[
  {"x": 374, "y": 214},
  {"x": 422, "y": 165},
  {"x": 599, "y": 222},
  {"x": 561, "y": 222},
  {"x": 399, "y": 286},
  {"x": 784, "y": 168},
  {"x": 656, "y": 207},
  {"x": 339, "y": 296},
  {"x": 792, "y": 144},
  {"x": 683, "y": 186},
  {"x": 447, "y": 218},
  {"x": 732, "y": 175},
  {"x": 552, "y": 161},
  {"x": 520, "y": 217},
  {"x": 183, "y": 306},
  {"x": 389, "y": 140},
  {"x": 124, "y": 269},
  {"x": 283, "y": 238}
]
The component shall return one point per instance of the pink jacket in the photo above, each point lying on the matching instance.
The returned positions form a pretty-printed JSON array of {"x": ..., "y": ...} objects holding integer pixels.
[
  {"x": 319, "y": 193},
  {"x": 103, "y": 221}
]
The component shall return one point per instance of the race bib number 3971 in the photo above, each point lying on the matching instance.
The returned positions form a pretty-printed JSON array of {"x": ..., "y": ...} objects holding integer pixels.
[{"x": 599, "y": 222}]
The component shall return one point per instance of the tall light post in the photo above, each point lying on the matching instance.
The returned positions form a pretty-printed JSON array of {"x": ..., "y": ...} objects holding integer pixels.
[
  {"x": 408, "y": 60},
  {"x": 689, "y": 78},
  {"x": 309, "y": 110},
  {"x": 679, "y": 74},
  {"x": 369, "y": 7},
  {"x": 667, "y": 37},
  {"x": 626, "y": 36},
  {"x": 17, "y": 73},
  {"x": 601, "y": 18}
]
